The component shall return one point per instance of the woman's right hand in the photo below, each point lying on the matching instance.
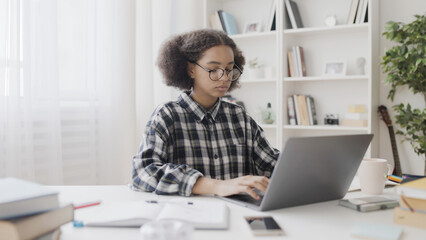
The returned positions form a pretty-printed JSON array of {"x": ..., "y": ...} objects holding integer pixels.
[{"x": 244, "y": 184}]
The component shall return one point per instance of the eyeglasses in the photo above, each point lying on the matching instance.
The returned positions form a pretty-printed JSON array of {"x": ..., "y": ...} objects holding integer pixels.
[{"x": 218, "y": 73}]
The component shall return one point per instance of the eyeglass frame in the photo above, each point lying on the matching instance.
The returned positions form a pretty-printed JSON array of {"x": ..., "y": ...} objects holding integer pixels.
[{"x": 223, "y": 70}]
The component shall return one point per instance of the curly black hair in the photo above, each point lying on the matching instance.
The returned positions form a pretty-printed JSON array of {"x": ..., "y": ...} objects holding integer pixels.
[{"x": 189, "y": 47}]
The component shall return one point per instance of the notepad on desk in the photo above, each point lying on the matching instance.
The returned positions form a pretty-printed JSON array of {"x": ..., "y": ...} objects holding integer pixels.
[{"x": 201, "y": 214}]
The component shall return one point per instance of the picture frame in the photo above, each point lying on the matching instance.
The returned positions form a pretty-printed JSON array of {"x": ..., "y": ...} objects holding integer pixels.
[
  {"x": 334, "y": 68},
  {"x": 252, "y": 27}
]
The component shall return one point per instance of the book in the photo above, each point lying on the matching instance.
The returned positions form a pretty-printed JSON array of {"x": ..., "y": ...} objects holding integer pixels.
[
  {"x": 20, "y": 197},
  {"x": 34, "y": 226},
  {"x": 413, "y": 189},
  {"x": 291, "y": 112},
  {"x": 359, "y": 11},
  {"x": 201, "y": 214},
  {"x": 296, "y": 61},
  {"x": 363, "y": 11},
  {"x": 376, "y": 231},
  {"x": 302, "y": 61},
  {"x": 352, "y": 12},
  {"x": 296, "y": 109},
  {"x": 291, "y": 70},
  {"x": 53, "y": 235},
  {"x": 312, "y": 112},
  {"x": 303, "y": 110},
  {"x": 217, "y": 22},
  {"x": 272, "y": 18},
  {"x": 293, "y": 13},
  {"x": 367, "y": 204},
  {"x": 222, "y": 22},
  {"x": 229, "y": 23},
  {"x": 416, "y": 204},
  {"x": 411, "y": 218}
]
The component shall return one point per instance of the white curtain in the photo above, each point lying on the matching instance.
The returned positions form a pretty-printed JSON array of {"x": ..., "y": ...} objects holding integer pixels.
[
  {"x": 67, "y": 100},
  {"x": 156, "y": 21}
]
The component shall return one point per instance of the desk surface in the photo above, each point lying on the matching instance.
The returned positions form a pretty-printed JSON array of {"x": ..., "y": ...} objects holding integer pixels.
[{"x": 324, "y": 220}]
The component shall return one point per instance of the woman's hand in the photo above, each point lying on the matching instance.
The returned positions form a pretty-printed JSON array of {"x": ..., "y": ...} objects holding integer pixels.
[{"x": 243, "y": 184}]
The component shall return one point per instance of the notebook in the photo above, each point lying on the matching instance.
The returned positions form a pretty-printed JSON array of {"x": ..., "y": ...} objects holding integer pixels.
[
  {"x": 310, "y": 170},
  {"x": 200, "y": 214}
]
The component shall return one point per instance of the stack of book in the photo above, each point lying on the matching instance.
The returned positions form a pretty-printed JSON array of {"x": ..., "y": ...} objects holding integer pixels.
[
  {"x": 30, "y": 211},
  {"x": 301, "y": 110},
  {"x": 358, "y": 12},
  {"x": 296, "y": 62},
  {"x": 412, "y": 204},
  {"x": 224, "y": 21}
]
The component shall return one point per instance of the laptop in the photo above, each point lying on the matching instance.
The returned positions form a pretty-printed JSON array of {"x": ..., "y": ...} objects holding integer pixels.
[{"x": 310, "y": 170}]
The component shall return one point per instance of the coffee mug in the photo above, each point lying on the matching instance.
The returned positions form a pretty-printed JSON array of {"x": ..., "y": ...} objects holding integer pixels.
[{"x": 372, "y": 175}]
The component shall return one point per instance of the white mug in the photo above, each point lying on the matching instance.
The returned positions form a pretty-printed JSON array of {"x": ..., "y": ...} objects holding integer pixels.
[{"x": 372, "y": 175}]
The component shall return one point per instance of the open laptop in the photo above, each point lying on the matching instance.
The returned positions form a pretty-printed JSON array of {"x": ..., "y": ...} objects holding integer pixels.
[{"x": 310, "y": 170}]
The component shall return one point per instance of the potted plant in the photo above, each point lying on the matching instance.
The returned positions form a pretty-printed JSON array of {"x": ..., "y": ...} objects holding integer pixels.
[
  {"x": 255, "y": 70},
  {"x": 405, "y": 66}
]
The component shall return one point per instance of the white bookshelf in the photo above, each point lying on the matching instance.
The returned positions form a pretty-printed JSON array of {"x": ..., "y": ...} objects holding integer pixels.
[{"x": 332, "y": 94}]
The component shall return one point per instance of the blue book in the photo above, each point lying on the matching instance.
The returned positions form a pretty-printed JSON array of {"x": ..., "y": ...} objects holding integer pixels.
[
  {"x": 229, "y": 23},
  {"x": 376, "y": 231}
]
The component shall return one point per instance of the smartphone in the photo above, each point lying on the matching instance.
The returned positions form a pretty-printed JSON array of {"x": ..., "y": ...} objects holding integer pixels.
[{"x": 264, "y": 225}]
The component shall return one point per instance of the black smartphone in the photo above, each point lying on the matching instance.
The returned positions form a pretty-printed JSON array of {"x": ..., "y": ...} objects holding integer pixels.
[{"x": 264, "y": 225}]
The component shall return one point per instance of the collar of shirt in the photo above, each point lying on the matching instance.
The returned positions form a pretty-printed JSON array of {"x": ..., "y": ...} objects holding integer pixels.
[{"x": 189, "y": 104}]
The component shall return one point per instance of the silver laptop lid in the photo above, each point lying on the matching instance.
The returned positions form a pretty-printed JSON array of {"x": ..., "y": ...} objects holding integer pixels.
[{"x": 314, "y": 169}]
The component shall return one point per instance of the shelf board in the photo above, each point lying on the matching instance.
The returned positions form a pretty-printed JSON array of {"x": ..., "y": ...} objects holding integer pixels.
[
  {"x": 268, "y": 126},
  {"x": 327, "y": 30},
  {"x": 255, "y": 35},
  {"x": 259, "y": 80},
  {"x": 326, "y": 78},
  {"x": 326, "y": 128}
]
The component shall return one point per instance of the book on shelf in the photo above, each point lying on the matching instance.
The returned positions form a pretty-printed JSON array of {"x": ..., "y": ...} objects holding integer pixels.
[
  {"x": 215, "y": 21},
  {"x": 296, "y": 109},
  {"x": 302, "y": 109},
  {"x": 201, "y": 214},
  {"x": 363, "y": 11},
  {"x": 222, "y": 23},
  {"x": 291, "y": 70},
  {"x": 229, "y": 23},
  {"x": 412, "y": 209},
  {"x": 352, "y": 12},
  {"x": 291, "y": 111},
  {"x": 312, "y": 112},
  {"x": 296, "y": 60},
  {"x": 20, "y": 198},
  {"x": 293, "y": 14},
  {"x": 302, "y": 61},
  {"x": 37, "y": 225},
  {"x": 271, "y": 24}
]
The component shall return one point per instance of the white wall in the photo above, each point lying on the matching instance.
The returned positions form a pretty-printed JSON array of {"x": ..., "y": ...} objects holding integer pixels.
[{"x": 400, "y": 11}]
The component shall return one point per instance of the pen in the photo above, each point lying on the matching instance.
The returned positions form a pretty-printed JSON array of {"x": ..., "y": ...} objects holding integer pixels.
[
  {"x": 395, "y": 178},
  {"x": 158, "y": 202},
  {"x": 86, "y": 204}
]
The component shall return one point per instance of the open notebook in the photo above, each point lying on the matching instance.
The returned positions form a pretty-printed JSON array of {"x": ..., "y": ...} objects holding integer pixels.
[{"x": 201, "y": 214}]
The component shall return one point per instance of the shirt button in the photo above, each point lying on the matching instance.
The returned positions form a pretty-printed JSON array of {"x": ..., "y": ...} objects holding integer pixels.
[{"x": 215, "y": 156}]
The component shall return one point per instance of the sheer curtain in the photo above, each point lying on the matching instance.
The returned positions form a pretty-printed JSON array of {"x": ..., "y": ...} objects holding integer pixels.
[{"x": 67, "y": 80}]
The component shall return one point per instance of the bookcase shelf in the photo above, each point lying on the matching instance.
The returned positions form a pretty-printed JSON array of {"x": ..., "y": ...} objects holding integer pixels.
[
  {"x": 326, "y": 128},
  {"x": 325, "y": 78},
  {"x": 310, "y": 31},
  {"x": 332, "y": 94}
]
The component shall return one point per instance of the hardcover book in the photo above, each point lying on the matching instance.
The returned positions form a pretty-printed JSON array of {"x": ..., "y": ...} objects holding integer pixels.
[
  {"x": 293, "y": 13},
  {"x": 19, "y": 198},
  {"x": 229, "y": 23},
  {"x": 37, "y": 225}
]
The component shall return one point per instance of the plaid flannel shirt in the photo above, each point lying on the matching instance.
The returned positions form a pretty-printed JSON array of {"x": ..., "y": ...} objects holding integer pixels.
[{"x": 183, "y": 142}]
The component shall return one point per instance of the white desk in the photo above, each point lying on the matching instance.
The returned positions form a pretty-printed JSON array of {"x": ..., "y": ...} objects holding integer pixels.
[{"x": 324, "y": 220}]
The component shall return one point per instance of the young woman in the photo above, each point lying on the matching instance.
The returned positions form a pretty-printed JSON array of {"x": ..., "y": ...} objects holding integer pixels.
[{"x": 200, "y": 144}]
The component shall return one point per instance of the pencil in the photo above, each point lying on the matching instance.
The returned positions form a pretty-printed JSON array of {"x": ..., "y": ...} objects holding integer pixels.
[{"x": 87, "y": 204}]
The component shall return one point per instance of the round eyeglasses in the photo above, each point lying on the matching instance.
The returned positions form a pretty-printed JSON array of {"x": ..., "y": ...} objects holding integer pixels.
[{"x": 218, "y": 73}]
